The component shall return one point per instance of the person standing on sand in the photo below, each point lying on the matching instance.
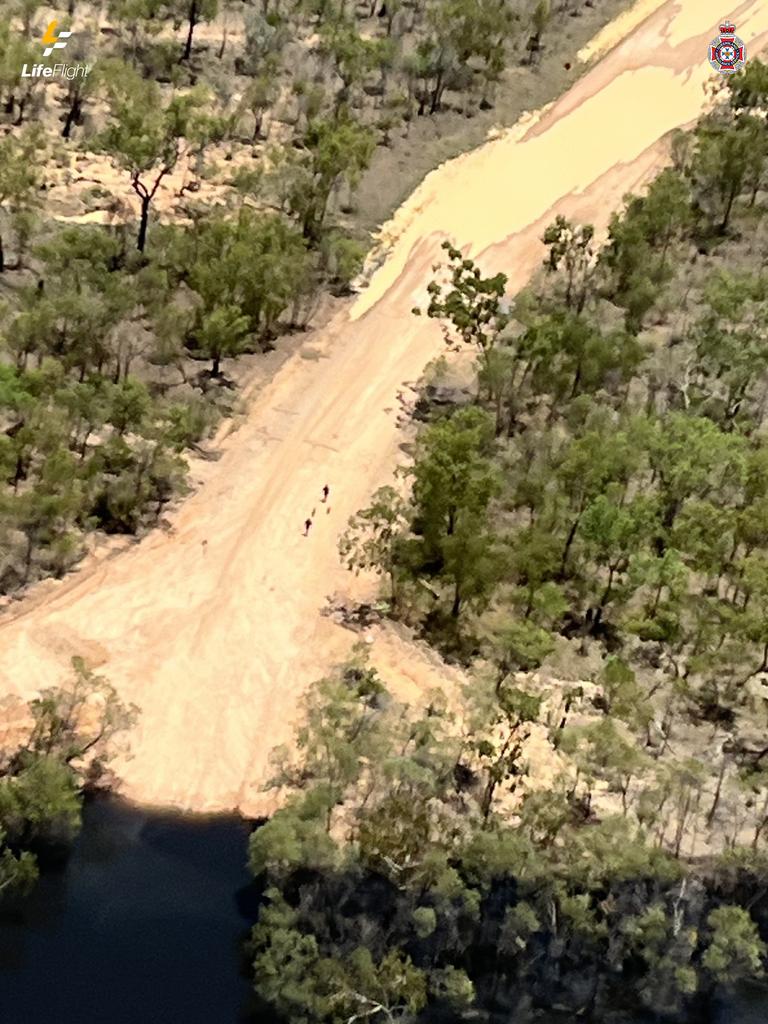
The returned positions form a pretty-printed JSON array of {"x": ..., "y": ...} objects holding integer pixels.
[
  {"x": 326, "y": 492},
  {"x": 307, "y": 525}
]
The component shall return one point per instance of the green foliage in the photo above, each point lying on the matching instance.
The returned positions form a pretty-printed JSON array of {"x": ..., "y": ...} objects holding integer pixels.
[
  {"x": 749, "y": 88},
  {"x": 374, "y": 536},
  {"x": 426, "y": 893},
  {"x": 454, "y": 481},
  {"x": 40, "y": 801},
  {"x": 600, "y": 513},
  {"x": 292, "y": 838},
  {"x": 343, "y": 258},
  {"x": 730, "y": 156},
  {"x": 246, "y": 272},
  {"x": 635, "y": 261},
  {"x": 454, "y": 987},
  {"x": 667, "y": 950},
  {"x": 209, "y": 135},
  {"x": 735, "y": 950},
  {"x": 524, "y": 645},
  {"x": 69, "y": 741},
  {"x": 472, "y": 304},
  {"x": 570, "y": 247},
  {"x": 82, "y": 718},
  {"x": 89, "y": 444},
  {"x": 194, "y": 11},
  {"x": 425, "y": 920},
  {"x": 17, "y": 873},
  {"x": 145, "y": 136},
  {"x": 19, "y": 176},
  {"x": 335, "y": 150},
  {"x": 287, "y": 964},
  {"x": 223, "y": 332}
]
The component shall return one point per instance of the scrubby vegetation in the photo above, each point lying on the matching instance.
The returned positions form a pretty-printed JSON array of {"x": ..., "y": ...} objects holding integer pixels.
[
  {"x": 581, "y": 833},
  {"x": 185, "y": 202},
  {"x": 414, "y": 873},
  {"x": 51, "y": 750},
  {"x": 608, "y": 483}
]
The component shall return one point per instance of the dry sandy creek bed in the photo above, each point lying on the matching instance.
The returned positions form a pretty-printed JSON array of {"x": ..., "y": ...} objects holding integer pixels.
[{"x": 214, "y": 628}]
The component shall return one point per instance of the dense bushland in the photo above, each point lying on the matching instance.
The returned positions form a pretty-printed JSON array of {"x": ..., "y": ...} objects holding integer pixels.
[
  {"x": 219, "y": 170},
  {"x": 581, "y": 832},
  {"x": 415, "y": 874}
]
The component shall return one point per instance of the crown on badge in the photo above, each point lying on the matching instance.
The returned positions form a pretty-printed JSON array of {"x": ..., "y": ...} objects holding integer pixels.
[{"x": 727, "y": 28}]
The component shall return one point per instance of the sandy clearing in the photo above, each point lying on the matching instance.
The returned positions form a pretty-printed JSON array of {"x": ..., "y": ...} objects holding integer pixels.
[
  {"x": 647, "y": 86},
  {"x": 618, "y": 29},
  {"x": 216, "y": 641}
]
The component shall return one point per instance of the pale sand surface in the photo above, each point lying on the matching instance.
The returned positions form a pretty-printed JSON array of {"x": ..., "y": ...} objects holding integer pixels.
[
  {"x": 216, "y": 642},
  {"x": 620, "y": 27}
]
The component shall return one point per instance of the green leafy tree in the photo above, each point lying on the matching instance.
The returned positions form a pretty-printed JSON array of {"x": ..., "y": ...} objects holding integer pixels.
[
  {"x": 522, "y": 646},
  {"x": 391, "y": 990},
  {"x": 335, "y": 150},
  {"x": 293, "y": 838},
  {"x": 286, "y": 963},
  {"x": 80, "y": 90},
  {"x": 664, "y": 212},
  {"x": 41, "y": 779},
  {"x": 40, "y": 802},
  {"x": 730, "y": 351},
  {"x": 473, "y": 305},
  {"x": 735, "y": 950},
  {"x": 254, "y": 266},
  {"x": 352, "y": 56},
  {"x": 601, "y": 457},
  {"x": 375, "y": 536},
  {"x": 500, "y": 746},
  {"x": 223, "y": 332},
  {"x": 19, "y": 176},
  {"x": 570, "y": 248},
  {"x": 613, "y": 531},
  {"x": 435, "y": 60},
  {"x": 258, "y": 96},
  {"x": 602, "y": 751},
  {"x": 749, "y": 88},
  {"x": 145, "y": 136},
  {"x": 667, "y": 948},
  {"x": 454, "y": 481},
  {"x": 18, "y": 872},
  {"x": 691, "y": 457},
  {"x": 729, "y": 156},
  {"x": 80, "y": 719},
  {"x": 636, "y": 257}
]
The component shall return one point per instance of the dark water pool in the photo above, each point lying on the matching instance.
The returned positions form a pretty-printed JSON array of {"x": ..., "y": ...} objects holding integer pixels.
[
  {"x": 750, "y": 1006},
  {"x": 144, "y": 925}
]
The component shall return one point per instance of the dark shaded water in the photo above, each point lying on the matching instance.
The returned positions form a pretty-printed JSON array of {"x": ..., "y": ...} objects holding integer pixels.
[
  {"x": 144, "y": 925},
  {"x": 750, "y": 1007}
]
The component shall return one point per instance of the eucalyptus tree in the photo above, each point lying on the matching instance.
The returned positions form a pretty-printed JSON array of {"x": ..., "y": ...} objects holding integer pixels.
[{"x": 145, "y": 135}]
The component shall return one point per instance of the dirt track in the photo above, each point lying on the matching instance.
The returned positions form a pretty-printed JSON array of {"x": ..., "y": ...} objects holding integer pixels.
[{"x": 214, "y": 641}]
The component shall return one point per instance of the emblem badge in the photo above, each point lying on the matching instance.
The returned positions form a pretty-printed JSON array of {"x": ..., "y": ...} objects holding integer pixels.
[{"x": 727, "y": 53}]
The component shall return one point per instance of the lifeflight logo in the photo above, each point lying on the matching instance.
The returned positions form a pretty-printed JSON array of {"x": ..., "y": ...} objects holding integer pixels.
[{"x": 51, "y": 41}]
